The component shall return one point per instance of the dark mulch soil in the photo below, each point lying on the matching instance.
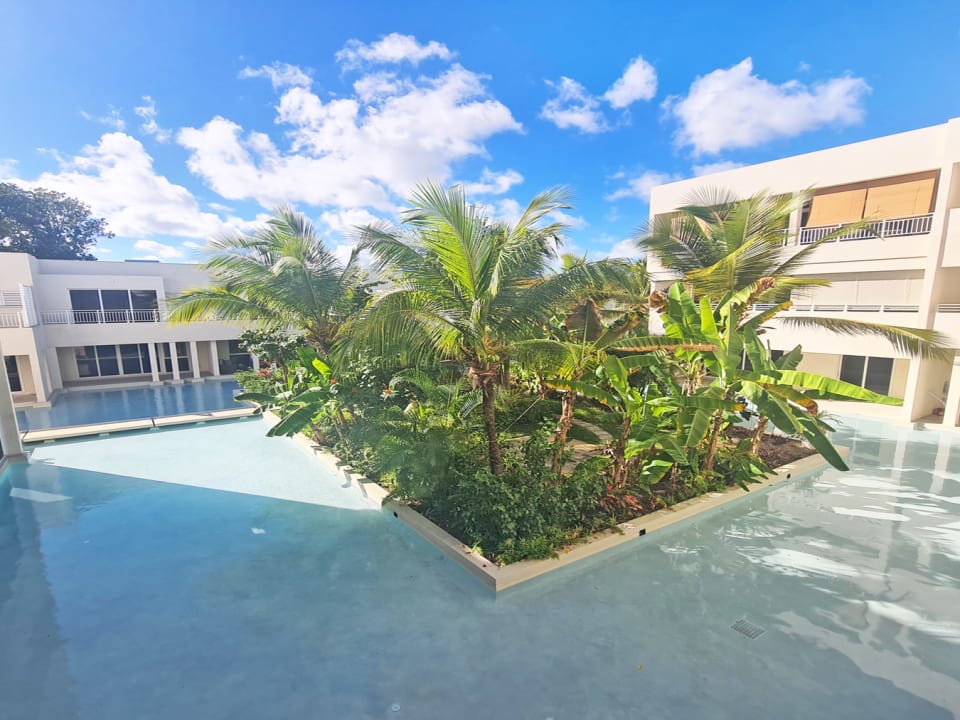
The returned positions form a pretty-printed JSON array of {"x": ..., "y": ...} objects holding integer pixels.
[{"x": 775, "y": 450}]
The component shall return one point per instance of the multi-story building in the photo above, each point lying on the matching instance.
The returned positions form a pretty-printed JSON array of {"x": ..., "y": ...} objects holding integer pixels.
[
  {"x": 906, "y": 271},
  {"x": 68, "y": 324}
]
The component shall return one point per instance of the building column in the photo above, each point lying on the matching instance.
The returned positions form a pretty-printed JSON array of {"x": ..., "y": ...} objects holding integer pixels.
[
  {"x": 951, "y": 409},
  {"x": 40, "y": 381},
  {"x": 9, "y": 432},
  {"x": 194, "y": 360},
  {"x": 174, "y": 364},
  {"x": 256, "y": 362},
  {"x": 214, "y": 359},
  {"x": 154, "y": 363},
  {"x": 53, "y": 367}
]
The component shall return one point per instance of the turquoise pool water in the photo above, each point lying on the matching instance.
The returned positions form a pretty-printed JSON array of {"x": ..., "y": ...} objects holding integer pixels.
[
  {"x": 84, "y": 407},
  {"x": 125, "y": 597}
]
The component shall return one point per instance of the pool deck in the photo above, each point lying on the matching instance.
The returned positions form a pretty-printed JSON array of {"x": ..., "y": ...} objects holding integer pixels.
[{"x": 72, "y": 431}]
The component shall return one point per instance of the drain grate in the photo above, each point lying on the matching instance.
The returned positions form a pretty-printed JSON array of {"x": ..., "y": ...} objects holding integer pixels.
[{"x": 747, "y": 628}]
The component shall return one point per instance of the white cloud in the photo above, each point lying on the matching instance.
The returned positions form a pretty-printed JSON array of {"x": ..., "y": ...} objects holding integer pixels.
[
  {"x": 392, "y": 48},
  {"x": 192, "y": 245},
  {"x": 111, "y": 119},
  {"x": 640, "y": 186},
  {"x": 573, "y": 222},
  {"x": 378, "y": 86},
  {"x": 117, "y": 179},
  {"x": 348, "y": 153},
  {"x": 733, "y": 108},
  {"x": 8, "y": 168},
  {"x": 346, "y": 221},
  {"x": 492, "y": 183},
  {"x": 280, "y": 74},
  {"x": 715, "y": 167},
  {"x": 638, "y": 82},
  {"x": 158, "y": 250},
  {"x": 624, "y": 249},
  {"x": 149, "y": 126},
  {"x": 573, "y": 107}
]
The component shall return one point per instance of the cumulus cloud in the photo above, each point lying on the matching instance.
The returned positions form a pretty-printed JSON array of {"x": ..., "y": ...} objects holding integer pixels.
[
  {"x": 8, "y": 168},
  {"x": 638, "y": 82},
  {"x": 149, "y": 126},
  {"x": 573, "y": 222},
  {"x": 112, "y": 119},
  {"x": 639, "y": 187},
  {"x": 624, "y": 250},
  {"x": 281, "y": 75},
  {"x": 492, "y": 183},
  {"x": 574, "y": 107},
  {"x": 116, "y": 178},
  {"x": 734, "y": 108},
  {"x": 158, "y": 250},
  {"x": 347, "y": 152},
  {"x": 393, "y": 48},
  {"x": 715, "y": 167}
]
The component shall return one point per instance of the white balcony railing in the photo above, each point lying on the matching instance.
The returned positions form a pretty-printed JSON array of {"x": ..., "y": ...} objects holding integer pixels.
[
  {"x": 11, "y": 320},
  {"x": 98, "y": 317},
  {"x": 850, "y": 308},
  {"x": 888, "y": 227}
]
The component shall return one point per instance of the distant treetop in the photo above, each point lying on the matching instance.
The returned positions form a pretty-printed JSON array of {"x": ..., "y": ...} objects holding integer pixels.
[{"x": 47, "y": 224}]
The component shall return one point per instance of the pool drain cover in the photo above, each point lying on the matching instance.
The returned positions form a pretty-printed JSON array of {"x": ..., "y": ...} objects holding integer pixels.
[{"x": 748, "y": 628}]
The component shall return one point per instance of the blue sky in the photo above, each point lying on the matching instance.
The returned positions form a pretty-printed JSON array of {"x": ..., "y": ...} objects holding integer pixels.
[{"x": 180, "y": 120}]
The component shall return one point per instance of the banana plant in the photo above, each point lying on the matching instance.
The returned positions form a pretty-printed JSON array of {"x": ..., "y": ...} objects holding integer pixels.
[{"x": 715, "y": 338}]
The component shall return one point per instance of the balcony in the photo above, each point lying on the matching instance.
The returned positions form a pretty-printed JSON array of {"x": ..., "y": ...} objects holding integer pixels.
[
  {"x": 888, "y": 227},
  {"x": 11, "y": 319},
  {"x": 101, "y": 317}
]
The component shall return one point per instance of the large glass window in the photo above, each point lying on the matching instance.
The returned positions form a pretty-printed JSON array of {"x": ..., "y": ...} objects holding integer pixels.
[
  {"x": 239, "y": 358},
  {"x": 13, "y": 373},
  {"x": 851, "y": 369},
  {"x": 879, "y": 372},
  {"x": 183, "y": 357},
  {"x": 87, "y": 361},
  {"x": 135, "y": 359},
  {"x": 116, "y": 305},
  {"x": 144, "y": 303},
  {"x": 107, "y": 360},
  {"x": 86, "y": 306}
]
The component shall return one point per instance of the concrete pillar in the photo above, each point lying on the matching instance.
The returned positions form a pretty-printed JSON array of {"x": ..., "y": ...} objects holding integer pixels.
[
  {"x": 9, "y": 432},
  {"x": 40, "y": 382},
  {"x": 154, "y": 363},
  {"x": 214, "y": 359},
  {"x": 256, "y": 362},
  {"x": 53, "y": 366},
  {"x": 951, "y": 409},
  {"x": 174, "y": 365},
  {"x": 194, "y": 360}
]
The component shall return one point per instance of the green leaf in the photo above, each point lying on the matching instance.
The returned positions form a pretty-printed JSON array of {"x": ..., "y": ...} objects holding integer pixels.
[
  {"x": 830, "y": 389},
  {"x": 294, "y": 422}
]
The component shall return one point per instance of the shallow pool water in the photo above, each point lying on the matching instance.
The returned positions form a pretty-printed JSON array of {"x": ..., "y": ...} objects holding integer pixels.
[
  {"x": 123, "y": 597},
  {"x": 85, "y": 407}
]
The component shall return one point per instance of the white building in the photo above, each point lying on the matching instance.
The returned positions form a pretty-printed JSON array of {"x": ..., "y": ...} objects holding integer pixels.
[
  {"x": 68, "y": 324},
  {"x": 909, "y": 275}
]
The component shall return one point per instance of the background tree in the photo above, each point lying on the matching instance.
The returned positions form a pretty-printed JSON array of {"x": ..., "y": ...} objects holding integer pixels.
[{"x": 47, "y": 224}]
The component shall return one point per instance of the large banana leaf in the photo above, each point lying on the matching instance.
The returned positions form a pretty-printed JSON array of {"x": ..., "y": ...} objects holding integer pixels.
[{"x": 826, "y": 388}]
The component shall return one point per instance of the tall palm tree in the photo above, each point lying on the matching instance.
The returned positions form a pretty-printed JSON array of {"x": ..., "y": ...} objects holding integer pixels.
[
  {"x": 280, "y": 276},
  {"x": 464, "y": 287},
  {"x": 719, "y": 244}
]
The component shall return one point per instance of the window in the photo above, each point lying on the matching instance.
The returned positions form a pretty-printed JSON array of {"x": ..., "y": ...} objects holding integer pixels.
[
  {"x": 13, "y": 373},
  {"x": 183, "y": 357},
  {"x": 87, "y": 361},
  {"x": 135, "y": 359},
  {"x": 114, "y": 306},
  {"x": 107, "y": 360},
  {"x": 239, "y": 358},
  {"x": 872, "y": 373}
]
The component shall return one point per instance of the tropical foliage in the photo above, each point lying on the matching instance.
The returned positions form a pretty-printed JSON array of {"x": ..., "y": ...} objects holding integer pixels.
[{"x": 458, "y": 382}]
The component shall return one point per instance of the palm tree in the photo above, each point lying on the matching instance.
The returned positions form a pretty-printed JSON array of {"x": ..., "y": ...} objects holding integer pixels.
[
  {"x": 720, "y": 244},
  {"x": 280, "y": 276},
  {"x": 465, "y": 287}
]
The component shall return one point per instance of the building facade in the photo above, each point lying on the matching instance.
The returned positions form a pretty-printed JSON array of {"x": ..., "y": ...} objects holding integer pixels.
[
  {"x": 905, "y": 272},
  {"x": 67, "y": 324}
]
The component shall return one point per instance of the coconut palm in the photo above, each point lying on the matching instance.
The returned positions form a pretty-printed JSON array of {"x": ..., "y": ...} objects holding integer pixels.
[
  {"x": 719, "y": 244},
  {"x": 280, "y": 276},
  {"x": 464, "y": 287}
]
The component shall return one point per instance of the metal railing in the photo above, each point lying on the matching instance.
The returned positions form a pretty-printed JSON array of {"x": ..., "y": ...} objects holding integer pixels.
[
  {"x": 11, "y": 320},
  {"x": 850, "y": 308},
  {"x": 888, "y": 227},
  {"x": 97, "y": 317}
]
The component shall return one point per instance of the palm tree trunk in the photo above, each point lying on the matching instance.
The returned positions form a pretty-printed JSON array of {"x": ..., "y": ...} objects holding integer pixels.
[
  {"x": 619, "y": 472},
  {"x": 488, "y": 393},
  {"x": 758, "y": 432},
  {"x": 711, "y": 455},
  {"x": 567, "y": 403}
]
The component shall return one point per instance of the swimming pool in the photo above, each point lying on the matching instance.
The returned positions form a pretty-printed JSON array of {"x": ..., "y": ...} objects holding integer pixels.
[
  {"x": 85, "y": 407},
  {"x": 122, "y": 597}
]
